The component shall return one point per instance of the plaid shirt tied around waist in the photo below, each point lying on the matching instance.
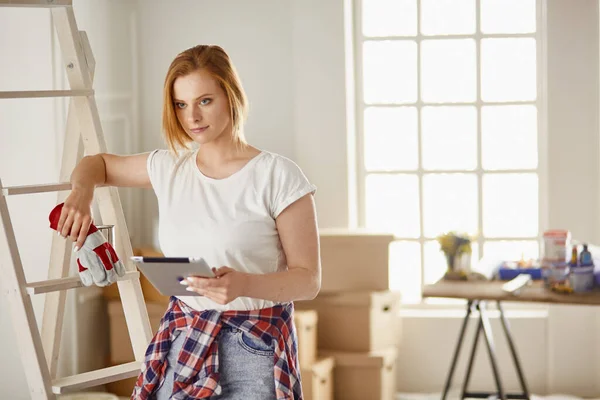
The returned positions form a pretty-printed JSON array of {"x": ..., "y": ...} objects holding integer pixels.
[{"x": 197, "y": 369}]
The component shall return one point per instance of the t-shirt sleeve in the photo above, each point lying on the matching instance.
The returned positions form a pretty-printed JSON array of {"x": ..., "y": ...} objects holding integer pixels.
[
  {"x": 289, "y": 185},
  {"x": 159, "y": 165}
]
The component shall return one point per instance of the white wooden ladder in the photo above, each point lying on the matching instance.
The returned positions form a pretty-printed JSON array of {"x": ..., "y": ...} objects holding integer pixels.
[{"x": 39, "y": 352}]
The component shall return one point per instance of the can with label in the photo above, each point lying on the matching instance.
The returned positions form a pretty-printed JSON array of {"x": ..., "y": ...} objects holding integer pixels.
[{"x": 556, "y": 245}]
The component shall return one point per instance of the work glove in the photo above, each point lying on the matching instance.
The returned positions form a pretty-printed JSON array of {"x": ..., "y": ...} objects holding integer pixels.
[{"x": 97, "y": 260}]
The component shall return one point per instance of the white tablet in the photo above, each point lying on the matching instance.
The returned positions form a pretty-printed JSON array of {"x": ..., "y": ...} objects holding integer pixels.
[{"x": 166, "y": 273}]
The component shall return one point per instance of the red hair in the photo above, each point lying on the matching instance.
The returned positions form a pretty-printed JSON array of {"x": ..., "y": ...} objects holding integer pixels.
[{"x": 218, "y": 64}]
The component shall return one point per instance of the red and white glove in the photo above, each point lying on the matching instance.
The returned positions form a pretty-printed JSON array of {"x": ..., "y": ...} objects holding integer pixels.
[{"x": 97, "y": 260}]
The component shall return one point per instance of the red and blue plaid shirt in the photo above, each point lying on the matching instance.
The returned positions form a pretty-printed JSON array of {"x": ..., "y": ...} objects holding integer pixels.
[{"x": 197, "y": 370}]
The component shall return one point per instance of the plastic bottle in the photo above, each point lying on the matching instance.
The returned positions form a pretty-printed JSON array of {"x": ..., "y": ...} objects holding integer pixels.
[
  {"x": 585, "y": 258},
  {"x": 573, "y": 262}
]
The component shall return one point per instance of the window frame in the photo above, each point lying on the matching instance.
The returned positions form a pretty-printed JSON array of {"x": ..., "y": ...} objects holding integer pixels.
[{"x": 540, "y": 103}]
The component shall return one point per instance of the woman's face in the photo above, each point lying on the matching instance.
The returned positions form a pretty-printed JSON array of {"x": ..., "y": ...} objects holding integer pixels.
[{"x": 202, "y": 107}]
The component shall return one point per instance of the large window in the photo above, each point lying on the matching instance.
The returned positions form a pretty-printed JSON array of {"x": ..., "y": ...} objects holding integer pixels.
[{"x": 448, "y": 112}]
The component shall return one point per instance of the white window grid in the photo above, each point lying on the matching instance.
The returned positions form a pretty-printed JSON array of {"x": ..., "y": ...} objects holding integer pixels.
[{"x": 540, "y": 103}]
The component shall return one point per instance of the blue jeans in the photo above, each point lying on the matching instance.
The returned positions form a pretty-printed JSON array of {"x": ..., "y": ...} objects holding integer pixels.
[{"x": 246, "y": 367}]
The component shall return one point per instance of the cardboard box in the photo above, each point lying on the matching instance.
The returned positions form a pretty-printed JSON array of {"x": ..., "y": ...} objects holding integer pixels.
[
  {"x": 306, "y": 328},
  {"x": 359, "y": 376},
  {"x": 359, "y": 321},
  {"x": 120, "y": 344},
  {"x": 150, "y": 293},
  {"x": 317, "y": 380},
  {"x": 122, "y": 388},
  {"x": 354, "y": 260}
]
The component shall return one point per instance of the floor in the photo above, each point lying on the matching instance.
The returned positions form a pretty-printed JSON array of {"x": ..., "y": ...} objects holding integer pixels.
[
  {"x": 455, "y": 396},
  {"x": 436, "y": 396}
]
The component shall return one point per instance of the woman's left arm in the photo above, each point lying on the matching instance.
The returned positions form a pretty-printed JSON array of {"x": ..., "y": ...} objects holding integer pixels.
[{"x": 297, "y": 227}]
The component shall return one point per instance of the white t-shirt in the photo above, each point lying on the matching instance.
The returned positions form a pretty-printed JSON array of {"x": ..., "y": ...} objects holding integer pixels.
[{"x": 228, "y": 222}]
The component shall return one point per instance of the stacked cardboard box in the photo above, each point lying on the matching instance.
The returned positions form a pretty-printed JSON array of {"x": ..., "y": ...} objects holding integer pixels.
[
  {"x": 317, "y": 380},
  {"x": 317, "y": 374},
  {"x": 120, "y": 344},
  {"x": 358, "y": 322},
  {"x": 150, "y": 293}
]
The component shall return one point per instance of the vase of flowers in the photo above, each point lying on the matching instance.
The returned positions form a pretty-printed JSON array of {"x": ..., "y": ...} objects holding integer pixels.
[{"x": 457, "y": 250}]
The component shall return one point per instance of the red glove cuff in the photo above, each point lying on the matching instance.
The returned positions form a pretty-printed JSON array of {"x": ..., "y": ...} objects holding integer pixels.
[{"x": 55, "y": 216}]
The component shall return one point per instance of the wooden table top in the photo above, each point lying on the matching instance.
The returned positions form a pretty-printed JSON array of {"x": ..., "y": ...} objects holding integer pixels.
[{"x": 536, "y": 292}]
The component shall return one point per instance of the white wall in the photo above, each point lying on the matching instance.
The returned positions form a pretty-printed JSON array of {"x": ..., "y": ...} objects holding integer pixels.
[
  {"x": 27, "y": 144},
  {"x": 291, "y": 61},
  {"x": 559, "y": 352},
  {"x": 573, "y": 144},
  {"x": 112, "y": 30},
  {"x": 257, "y": 35},
  {"x": 553, "y": 360},
  {"x": 31, "y": 133},
  {"x": 290, "y": 55},
  {"x": 319, "y": 103},
  {"x": 111, "y": 27},
  {"x": 310, "y": 38}
]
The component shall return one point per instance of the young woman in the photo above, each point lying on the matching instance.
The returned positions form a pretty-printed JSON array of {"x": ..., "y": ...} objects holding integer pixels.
[{"x": 248, "y": 212}]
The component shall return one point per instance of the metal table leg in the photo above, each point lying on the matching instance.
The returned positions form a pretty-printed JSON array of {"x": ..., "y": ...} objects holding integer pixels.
[
  {"x": 457, "y": 349},
  {"x": 489, "y": 340},
  {"x": 484, "y": 328},
  {"x": 513, "y": 351},
  {"x": 471, "y": 359}
]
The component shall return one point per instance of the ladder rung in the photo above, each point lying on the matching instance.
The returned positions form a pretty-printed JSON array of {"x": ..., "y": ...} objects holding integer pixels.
[
  {"x": 96, "y": 378},
  {"x": 72, "y": 282},
  {"x": 30, "y": 189},
  {"x": 29, "y": 94},
  {"x": 35, "y": 3}
]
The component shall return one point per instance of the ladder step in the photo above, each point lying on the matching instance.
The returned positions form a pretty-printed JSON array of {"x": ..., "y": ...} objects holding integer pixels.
[
  {"x": 96, "y": 378},
  {"x": 35, "y": 3},
  {"x": 29, "y": 94},
  {"x": 30, "y": 189},
  {"x": 72, "y": 282}
]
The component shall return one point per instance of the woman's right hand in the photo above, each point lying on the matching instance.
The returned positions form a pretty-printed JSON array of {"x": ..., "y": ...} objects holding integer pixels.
[
  {"x": 91, "y": 172},
  {"x": 76, "y": 215}
]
